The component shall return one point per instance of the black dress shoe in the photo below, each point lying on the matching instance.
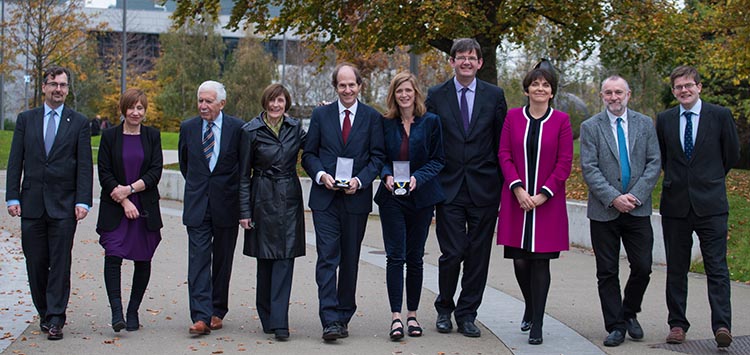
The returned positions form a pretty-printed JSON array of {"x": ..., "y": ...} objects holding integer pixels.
[
  {"x": 536, "y": 341},
  {"x": 331, "y": 332},
  {"x": 444, "y": 324},
  {"x": 525, "y": 325},
  {"x": 615, "y": 338},
  {"x": 634, "y": 329},
  {"x": 281, "y": 334},
  {"x": 55, "y": 332},
  {"x": 467, "y": 328},
  {"x": 344, "y": 329}
]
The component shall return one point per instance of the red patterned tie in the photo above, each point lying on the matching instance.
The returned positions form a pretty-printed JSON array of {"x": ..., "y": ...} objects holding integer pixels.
[{"x": 347, "y": 126}]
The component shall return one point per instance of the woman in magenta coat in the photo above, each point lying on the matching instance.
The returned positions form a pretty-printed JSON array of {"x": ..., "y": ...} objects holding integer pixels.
[{"x": 536, "y": 152}]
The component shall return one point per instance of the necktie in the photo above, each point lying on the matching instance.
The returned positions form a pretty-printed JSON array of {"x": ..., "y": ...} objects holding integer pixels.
[
  {"x": 208, "y": 141},
  {"x": 49, "y": 136},
  {"x": 465, "y": 109},
  {"x": 624, "y": 163},
  {"x": 688, "y": 134},
  {"x": 347, "y": 127}
]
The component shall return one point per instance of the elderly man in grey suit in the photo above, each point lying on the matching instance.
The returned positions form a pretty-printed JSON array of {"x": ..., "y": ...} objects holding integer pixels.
[{"x": 621, "y": 162}]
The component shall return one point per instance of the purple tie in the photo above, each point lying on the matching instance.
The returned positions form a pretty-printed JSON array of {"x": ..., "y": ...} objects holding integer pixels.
[{"x": 465, "y": 109}]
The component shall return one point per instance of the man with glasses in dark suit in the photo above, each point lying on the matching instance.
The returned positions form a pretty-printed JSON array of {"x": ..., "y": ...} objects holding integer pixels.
[
  {"x": 699, "y": 145},
  {"x": 51, "y": 149},
  {"x": 472, "y": 112}
]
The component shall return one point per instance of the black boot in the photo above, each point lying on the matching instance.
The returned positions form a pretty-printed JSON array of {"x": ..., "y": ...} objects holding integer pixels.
[
  {"x": 112, "y": 265},
  {"x": 141, "y": 275}
]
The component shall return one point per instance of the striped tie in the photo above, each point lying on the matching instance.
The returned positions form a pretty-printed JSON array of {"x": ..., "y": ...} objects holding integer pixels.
[{"x": 208, "y": 141}]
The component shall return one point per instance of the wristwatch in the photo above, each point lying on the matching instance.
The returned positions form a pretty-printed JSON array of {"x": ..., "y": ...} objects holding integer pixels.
[{"x": 132, "y": 190}]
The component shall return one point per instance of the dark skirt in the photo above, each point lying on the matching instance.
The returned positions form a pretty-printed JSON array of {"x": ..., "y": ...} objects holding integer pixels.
[{"x": 518, "y": 253}]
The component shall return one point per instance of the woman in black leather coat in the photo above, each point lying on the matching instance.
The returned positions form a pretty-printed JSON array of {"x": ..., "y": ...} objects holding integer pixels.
[{"x": 271, "y": 211}]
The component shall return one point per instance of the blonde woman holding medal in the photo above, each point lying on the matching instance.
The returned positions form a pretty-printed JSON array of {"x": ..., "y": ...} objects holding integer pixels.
[{"x": 408, "y": 194}]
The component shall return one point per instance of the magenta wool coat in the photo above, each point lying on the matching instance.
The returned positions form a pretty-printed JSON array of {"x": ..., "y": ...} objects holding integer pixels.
[{"x": 548, "y": 226}]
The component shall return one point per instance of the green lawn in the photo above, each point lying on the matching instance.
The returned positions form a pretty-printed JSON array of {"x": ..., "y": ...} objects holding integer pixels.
[{"x": 168, "y": 142}]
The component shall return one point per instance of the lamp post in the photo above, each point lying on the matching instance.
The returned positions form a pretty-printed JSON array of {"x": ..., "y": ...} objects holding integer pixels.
[{"x": 123, "y": 78}]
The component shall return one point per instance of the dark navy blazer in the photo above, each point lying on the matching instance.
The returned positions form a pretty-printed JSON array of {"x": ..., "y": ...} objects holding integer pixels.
[{"x": 426, "y": 157}]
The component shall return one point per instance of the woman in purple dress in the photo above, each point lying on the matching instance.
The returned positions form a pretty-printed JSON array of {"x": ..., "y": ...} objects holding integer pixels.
[
  {"x": 536, "y": 153},
  {"x": 130, "y": 165}
]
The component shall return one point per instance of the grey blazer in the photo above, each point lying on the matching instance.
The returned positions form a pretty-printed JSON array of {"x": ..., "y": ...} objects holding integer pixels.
[{"x": 600, "y": 163}]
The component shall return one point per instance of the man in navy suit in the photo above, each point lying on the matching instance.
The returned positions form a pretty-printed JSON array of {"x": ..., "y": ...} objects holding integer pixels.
[
  {"x": 209, "y": 150},
  {"x": 699, "y": 145},
  {"x": 346, "y": 128},
  {"x": 52, "y": 150},
  {"x": 472, "y": 113}
]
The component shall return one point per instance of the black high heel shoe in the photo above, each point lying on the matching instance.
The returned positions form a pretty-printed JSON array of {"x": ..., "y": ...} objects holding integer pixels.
[{"x": 535, "y": 336}]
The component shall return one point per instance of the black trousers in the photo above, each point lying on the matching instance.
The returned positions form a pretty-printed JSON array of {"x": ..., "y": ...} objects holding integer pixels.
[
  {"x": 210, "y": 256},
  {"x": 338, "y": 241},
  {"x": 47, "y": 245},
  {"x": 274, "y": 286},
  {"x": 637, "y": 236},
  {"x": 678, "y": 241},
  {"x": 464, "y": 232}
]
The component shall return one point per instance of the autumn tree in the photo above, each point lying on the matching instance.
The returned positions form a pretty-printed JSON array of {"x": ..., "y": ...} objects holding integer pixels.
[
  {"x": 190, "y": 55},
  {"x": 91, "y": 80},
  {"x": 249, "y": 71},
  {"x": 650, "y": 38},
  {"x": 363, "y": 27},
  {"x": 47, "y": 32}
]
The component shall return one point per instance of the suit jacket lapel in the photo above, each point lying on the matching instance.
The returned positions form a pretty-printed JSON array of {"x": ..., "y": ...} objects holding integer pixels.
[
  {"x": 37, "y": 127},
  {"x": 62, "y": 130},
  {"x": 357, "y": 125},
  {"x": 673, "y": 131},
  {"x": 606, "y": 132},
  {"x": 226, "y": 129},
  {"x": 704, "y": 126},
  {"x": 198, "y": 146},
  {"x": 331, "y": 119},
  {"x": 476, "y": 109},
  {"x": 633, "y": 131},
  {"x": 452, "y": 97}
]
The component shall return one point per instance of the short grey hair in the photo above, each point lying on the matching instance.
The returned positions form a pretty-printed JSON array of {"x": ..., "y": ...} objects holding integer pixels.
[
  {"x": 215, "y": 86},
  {"x": 616, "y": 77}
]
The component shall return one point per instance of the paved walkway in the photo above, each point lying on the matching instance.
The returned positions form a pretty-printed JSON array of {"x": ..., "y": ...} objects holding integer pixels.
[{"x": 573, "y": 324}]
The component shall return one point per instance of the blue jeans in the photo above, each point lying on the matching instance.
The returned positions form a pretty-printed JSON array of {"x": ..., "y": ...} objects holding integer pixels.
[{"x": 405, "y": 230}]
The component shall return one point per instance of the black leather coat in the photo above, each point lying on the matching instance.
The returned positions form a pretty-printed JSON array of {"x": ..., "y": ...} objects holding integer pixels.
[{"x": 270, "y": 191}]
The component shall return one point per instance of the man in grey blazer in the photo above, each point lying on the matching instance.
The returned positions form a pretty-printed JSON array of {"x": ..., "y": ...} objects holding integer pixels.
[
  {"x": 49, "y": 183},
  {"x": 621, "y": 163},
  {"x": 699, "y": 145}
]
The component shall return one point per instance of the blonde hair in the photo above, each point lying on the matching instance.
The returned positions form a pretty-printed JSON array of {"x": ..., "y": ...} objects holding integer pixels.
[{"x": 393, "y": 108}]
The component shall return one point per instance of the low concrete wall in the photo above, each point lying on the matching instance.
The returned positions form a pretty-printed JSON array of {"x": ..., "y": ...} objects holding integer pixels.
[{"x": 172, "y": 187}]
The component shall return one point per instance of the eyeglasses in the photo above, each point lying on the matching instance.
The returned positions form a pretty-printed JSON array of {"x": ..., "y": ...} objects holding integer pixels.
[
  {"x": 685, "y": 86},
  {"x": 57, "y": 85},
  {"x": 465, "y": 59}
]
